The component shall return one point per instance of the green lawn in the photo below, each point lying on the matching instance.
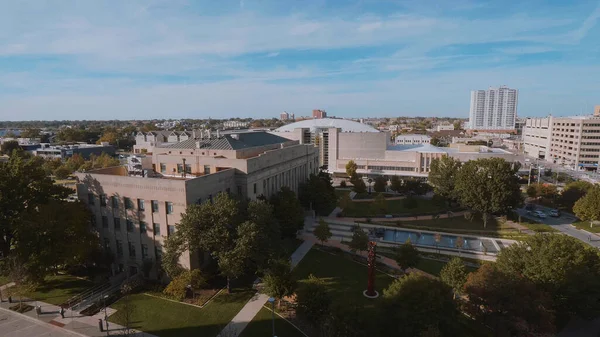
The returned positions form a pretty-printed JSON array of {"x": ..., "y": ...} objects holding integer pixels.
[
  {"x": 366, "y": 195},
  {"x": 341, "y": 193},
  {"x": 539, "y": 227},
  {"x": 345, "y": 278},
  {"x": 585, "y": 225},
  {"x": 57, "y": 289},
  {"x": 170, "y": 319},
  {"x": 261, "y": 325},
  {"x": 423, "y": 206}
]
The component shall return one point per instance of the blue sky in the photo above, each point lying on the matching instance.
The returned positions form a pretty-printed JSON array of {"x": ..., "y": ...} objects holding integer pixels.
[{"x": 196, "y": 59}]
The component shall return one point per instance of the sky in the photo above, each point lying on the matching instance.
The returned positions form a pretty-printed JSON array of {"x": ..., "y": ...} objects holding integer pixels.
[{"x": 132, "y": 59}]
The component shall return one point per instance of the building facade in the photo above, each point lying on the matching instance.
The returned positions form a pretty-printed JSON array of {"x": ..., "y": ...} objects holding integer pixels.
[
  {"x": 412, "y": 139},
  {"x": 135, "y": 213},
  {"x": 493, "y": 109},
  {"x": 319, "y": 113},
  {"x": 66, "y": 151},
  {"x": 571, "y": 141}
]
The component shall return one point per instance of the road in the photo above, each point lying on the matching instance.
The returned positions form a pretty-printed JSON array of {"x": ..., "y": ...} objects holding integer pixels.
[
  {"x": 563, "y": 224},
  {"x": 15, "y": 325}
]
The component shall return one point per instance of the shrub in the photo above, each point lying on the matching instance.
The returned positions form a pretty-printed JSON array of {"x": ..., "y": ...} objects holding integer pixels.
[{"x": 343, "y": 183}]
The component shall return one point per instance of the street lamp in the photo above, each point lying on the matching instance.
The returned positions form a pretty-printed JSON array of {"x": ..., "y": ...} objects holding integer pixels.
[
  {"x": 105, "y": 315},
  {"x": 272, "y": 301},
  {"x": 370, "y": 181}
]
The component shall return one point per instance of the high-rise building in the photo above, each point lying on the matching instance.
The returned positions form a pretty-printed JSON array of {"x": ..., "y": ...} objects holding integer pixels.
[
  {"x": 284, "y": 116},
  {"x": 597, "y": 110},
  {"x": 493, "y": 109},
  {"x": 319, "y": 114}
]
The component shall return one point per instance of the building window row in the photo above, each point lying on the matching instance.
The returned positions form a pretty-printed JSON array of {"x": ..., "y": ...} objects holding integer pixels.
[
  {"x": 391, "y": 168},
  {"x": 129, "y": 204}
]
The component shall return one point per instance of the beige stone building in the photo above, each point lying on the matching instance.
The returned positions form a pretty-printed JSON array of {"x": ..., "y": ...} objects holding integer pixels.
[
  {"x": 571, "y": 141},
  {"x": 135, "y": 213}
]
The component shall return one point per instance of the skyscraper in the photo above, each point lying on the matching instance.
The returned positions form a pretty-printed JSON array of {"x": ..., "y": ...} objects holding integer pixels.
[
  {"x": 319, "y": 114},
  {"x": 493, "y": 109}
]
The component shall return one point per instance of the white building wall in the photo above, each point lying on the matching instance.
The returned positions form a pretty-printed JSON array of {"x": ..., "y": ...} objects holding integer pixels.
[{"x": 493, "y": 109}]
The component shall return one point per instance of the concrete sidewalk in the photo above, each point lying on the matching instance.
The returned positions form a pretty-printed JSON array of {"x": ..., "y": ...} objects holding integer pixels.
[{"x": 246, "y": 315}]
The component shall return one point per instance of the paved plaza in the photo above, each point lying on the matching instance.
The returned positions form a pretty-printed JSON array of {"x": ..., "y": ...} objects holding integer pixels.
[{"x": 15, "y": 325}]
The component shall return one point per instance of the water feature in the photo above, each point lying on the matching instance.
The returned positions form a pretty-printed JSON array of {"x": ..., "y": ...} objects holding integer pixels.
[{"x": 446, "y": 241}]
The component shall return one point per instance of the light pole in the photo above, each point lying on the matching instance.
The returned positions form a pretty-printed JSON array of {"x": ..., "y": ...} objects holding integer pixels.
[
  {"x": 105, "y": 315},
  {"x": 370, "y": 181},
  {"x": 272, "y": 301}
]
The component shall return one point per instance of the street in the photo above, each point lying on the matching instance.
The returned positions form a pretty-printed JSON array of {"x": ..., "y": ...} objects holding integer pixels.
[{"x": 563, "y": 224}]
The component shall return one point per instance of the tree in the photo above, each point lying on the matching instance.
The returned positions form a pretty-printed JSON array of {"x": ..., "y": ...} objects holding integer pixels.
[
  {"x": 189, "y": 279},
  {"x": 31, "y": 133},
  {"x": 313, "y": 300},
  {"x": 588, "y": 207},
  {"x": 345, "y": 320},
  {"x": 318, "y": 193},
  {"x": 488, "y": 186},
  {"x": 288, "y": 211},
  {"x": 358, "y": 185},
  {"x": 413, "y": 186},
  {"x": 442, "y": 175},
  {"x": 62, "y": 172},
  {"x": 322, "y": 231},
  {"x": 435, "y": 141},
  {"x": 279, "y": 281},
  {"x": 509, "y": 302},
  {"x": 360, "y": 240},
  {"x": 9, "y": 146},
  {"x": 380, "y": 184},
  {"x": 351, "y": 168},
  {"x": 407, "y": 256},
  {"x": 345, "y": 202},
  {"x": 562, "y": 266},
  {"x": 396, "y": 184},
  {"x": 20, "y": 276},
  {"x": 75, "y": 162},
  {"x": 574, "y": 191},
  {"x": 415, "y": 303},
  {"x": 24, "y": 186},
  {"x": 547, "y": 191},
  {"x": 454, "y": 274},
  {"x": 379, "y": 205}
]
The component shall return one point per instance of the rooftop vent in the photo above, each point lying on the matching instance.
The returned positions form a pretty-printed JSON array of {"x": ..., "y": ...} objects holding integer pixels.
[{"x": 235, "y": 136}]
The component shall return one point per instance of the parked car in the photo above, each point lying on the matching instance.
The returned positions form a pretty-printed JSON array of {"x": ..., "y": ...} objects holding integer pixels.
[
  {"x": 540, "y": 214},
  {"x": 554, "y": 213}
]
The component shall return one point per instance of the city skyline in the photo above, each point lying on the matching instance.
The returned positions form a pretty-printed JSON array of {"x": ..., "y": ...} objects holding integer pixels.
[{"x": 144, "y": 60}]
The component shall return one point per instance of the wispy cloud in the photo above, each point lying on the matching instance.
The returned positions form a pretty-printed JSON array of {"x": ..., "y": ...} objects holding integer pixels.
[{"x": 273, "y": 54}]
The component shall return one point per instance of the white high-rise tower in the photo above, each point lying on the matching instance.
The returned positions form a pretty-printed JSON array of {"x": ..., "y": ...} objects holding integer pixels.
[{"x": 493, "y": 109}]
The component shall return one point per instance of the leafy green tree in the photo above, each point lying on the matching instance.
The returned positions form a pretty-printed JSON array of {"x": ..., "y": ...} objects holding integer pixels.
[
  {"x": 318, "y": 193},
  {"x": 442, "y": 175},
  {"x": 560, "y": 265},
  {"x": 313, "y": 300},
  {"x": 360, "y": 240},
  {"x": 396, "y": 184},
  {"x": 322, "y": 231},
  {"x": 279, "y": 280},
  {"x": 62, "y": 172},
  {"x": 588, "y": 207},
  {"x": 75, "y": 162},
  {"x": 358, "y": 185},
  {"x": 178, "y": 286},
  {"x": 380, "y": 184},
  {"x": 288, "y": 211},
  {"x": 346, "y": 203},
  {"x": 344, "y": 320},
  {"x": 24, "y": 186},
  {"x": 31, "y": 133},
  {"x": 265, "y": 244},
  {"x": 379, "y": 204},
  {"x": 351, "y": 168},
  {"x": 9, "y": 146},
  {"x": 414, "y": 186},
  {"x": 454, "y": 274},
  {"x": 407, "y": 256},
  {"x": 414, "y": 303},
  {"x": 488, "y": 186},
  {"x": 574, "y": 191},
  {"x": 50, "y": 165},
  {"x": 511, "y": 304},
  {"x": 21, "y": 278}
]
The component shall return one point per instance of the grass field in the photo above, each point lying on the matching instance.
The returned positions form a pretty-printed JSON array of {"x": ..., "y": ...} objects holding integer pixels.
[
  {"x": 57, "y": 289},
  {"x": 423, "y": 206},
  {"x": 585, "y": 225},
  {"x": 261, "y": 325},
  {"x": 345, "y": 278},
  {"x": 170, "y": 319}
]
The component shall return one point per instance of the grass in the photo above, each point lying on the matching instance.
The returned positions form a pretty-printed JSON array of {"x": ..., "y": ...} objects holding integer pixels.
[
  {"x": 261, "y": 325},
  {"x": 4, "y": 280},
  {"x": 57, "y": 289},
  {"x": 366, "y": 195},
  {"x": 539, "y": 227},
  {"x": 170, "y": 319},
  {"x": 423, "y": 206},
  {"x": 346, "y": 279},
  {"x": 585, "y": 225},
  {"x": 341, "y": 193}
]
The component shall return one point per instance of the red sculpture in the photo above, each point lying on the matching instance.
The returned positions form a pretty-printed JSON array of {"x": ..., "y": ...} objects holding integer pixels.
[{"x": 371, "y": 264}]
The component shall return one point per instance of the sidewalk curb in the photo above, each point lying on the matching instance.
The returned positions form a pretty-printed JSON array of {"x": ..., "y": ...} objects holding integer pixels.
[{"x": 40, "y": 322}]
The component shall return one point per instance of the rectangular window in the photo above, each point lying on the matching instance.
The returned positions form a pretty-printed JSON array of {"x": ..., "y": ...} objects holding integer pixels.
[
  {"x": 90, "y": 198},
  {"x": 117, "y": 223},
  {"x": 156, "y": 228},
  {"x": 93, "y": 220},
  {"x": 144, "y": 251},
  {"x": 128, "y": 203},
  {"x": 154, "y": 206},
  {"x": 254, "y": 188},
  {"x": 179, "y": 168},
  {"x": 170, "y": 229},
  {"x": 115, "y": 202},
  {"x": 169, "y": 207},
  {"x": 163, "y": 168},
  {"x": 119, "y": 248},
  {"x": 188, "y": 168},
  {"x": 103, "y": 200},
  {"x": 228, "y": 191},
  {"x": 104, "y": 221},
  {"x": 131, "y": 249},
  {"x": 142, "y": 227},
  {"x": 158, "y": 253},
  {"x": 206, "y": 169},
  {"x": 107, "y": 244},
  {"x": 129, "y": 226},
  {"x": 141, "y": 206}
]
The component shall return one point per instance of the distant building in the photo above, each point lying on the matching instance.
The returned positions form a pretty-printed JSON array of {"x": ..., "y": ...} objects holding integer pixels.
[
  {"x": 493, "y": 109},
  {"x": 235, "y": 124},
  {"x": 66, "y": 151},
  {"x": 597, "y": 110},
  {"x": 318, "y": 114},
  {"x": 284, "y": 116},
  {"x": 412, "y": 139},
  {"x": 444, "y": 126}
]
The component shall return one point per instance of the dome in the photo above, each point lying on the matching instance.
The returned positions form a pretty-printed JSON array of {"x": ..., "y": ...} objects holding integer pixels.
[{"x": 344, "y": 124}]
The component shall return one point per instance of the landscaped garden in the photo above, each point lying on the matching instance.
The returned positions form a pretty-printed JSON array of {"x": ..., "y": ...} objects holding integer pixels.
[
  {"x": 148, "y": 314},
  {"x": 585, "y": 225},
  {"x": 57, "y": 289},
  {"x": 399, "y": 206},
  {"x": 261, "y": 325}
]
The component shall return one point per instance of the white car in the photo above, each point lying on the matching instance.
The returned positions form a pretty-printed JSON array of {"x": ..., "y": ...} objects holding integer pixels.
[{"x": 540, "y": 214}]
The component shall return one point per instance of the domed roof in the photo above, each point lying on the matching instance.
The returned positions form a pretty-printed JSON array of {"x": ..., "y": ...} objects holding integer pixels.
[{"x": 344, "y": 124}]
